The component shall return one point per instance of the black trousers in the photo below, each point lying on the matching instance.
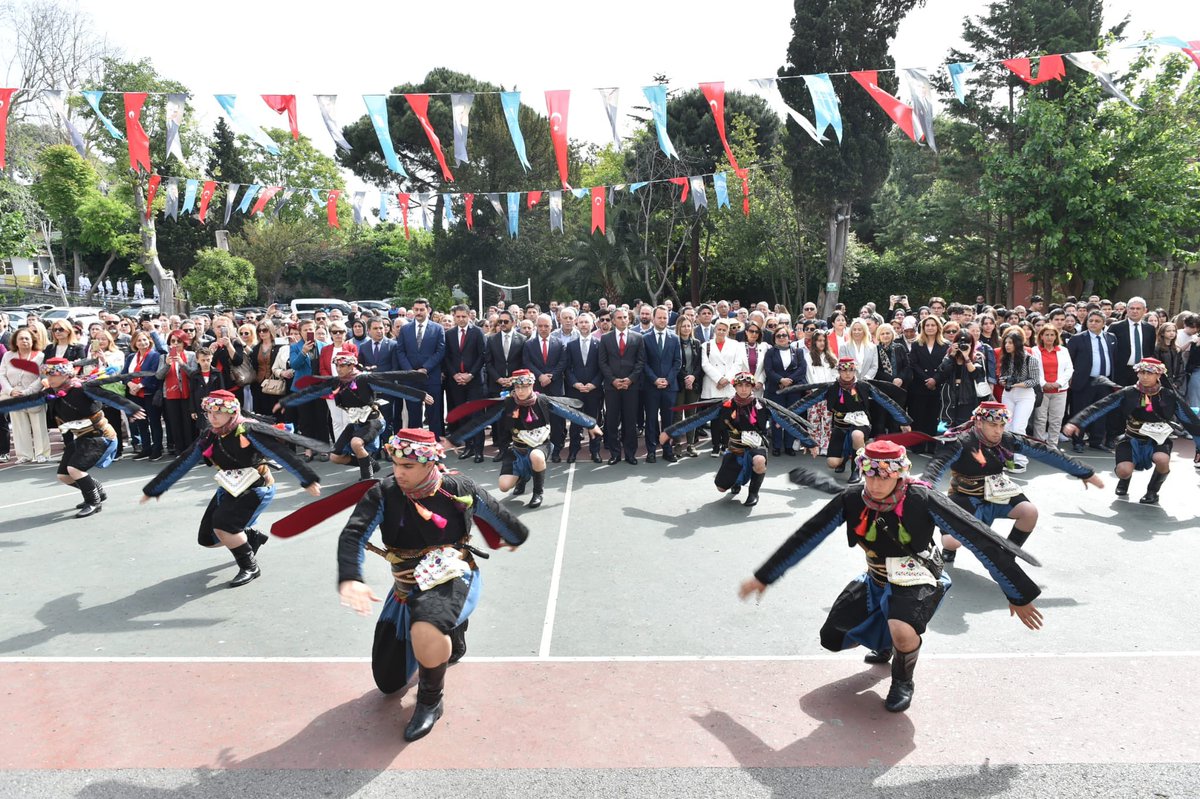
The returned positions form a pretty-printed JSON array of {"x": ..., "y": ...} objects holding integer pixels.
[
  {"x": 181, "y": 429},
  {"x": 592, "y": 401},
  {"x": 457, "y": 395},
  {"x": 620, "y": 423}
]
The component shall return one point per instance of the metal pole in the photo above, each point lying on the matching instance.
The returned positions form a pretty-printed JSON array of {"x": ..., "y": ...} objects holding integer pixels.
[{"x": 480, "y": 292}]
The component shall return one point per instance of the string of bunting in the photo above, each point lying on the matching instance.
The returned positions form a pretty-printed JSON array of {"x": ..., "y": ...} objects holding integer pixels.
[
  {"x": 915, "y": 118},
  {"x": 198, "y": 194}
]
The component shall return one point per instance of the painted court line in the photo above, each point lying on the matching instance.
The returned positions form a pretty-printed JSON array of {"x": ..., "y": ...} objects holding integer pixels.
[
  {"x": 608, "y": 658},
  {"x": 556, "y": 572}
]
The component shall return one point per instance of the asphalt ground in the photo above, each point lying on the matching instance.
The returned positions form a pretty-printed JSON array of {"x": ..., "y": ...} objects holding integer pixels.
[{"x": 609, "y": 655}]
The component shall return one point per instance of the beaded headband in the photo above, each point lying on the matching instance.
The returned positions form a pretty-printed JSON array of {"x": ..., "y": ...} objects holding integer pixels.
[
  {"x": 345, "y": 359},
  {"x": 986, "y": 413},
  {"x": 522, "y": 378},
  {"x": 1150, "y": 365},
  {"x": 882, "y": 467},
  {"x": 419, "y": 451},
  {"x": 60, "y": 369},
  {"x": 211, "y": 404},
  {"x": 744, "y": 378}
]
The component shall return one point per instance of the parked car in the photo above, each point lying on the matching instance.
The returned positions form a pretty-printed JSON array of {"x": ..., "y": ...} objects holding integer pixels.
[
  {"x": 314, "y": 304},
  {"x": 71, "y": 312},
  {"x": 134, "y": 311},
  {"x": 373, "y": 305}
]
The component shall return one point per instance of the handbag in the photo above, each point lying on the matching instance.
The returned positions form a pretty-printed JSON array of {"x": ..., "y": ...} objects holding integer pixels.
[
  {"x": 244, "y": 373},
  {"x": 1038, "y": 395},
  {"x": 158, "y": 399},
  {"x": 275, "y": 386},
  {"x": 983, "y": 390}
]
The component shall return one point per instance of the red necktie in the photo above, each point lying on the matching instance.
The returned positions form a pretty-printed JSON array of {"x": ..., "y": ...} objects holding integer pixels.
[
  {"x": 545, "y": 351},
  {"x": 462, "y": 345},
  {"x": 621, "y": 346}
]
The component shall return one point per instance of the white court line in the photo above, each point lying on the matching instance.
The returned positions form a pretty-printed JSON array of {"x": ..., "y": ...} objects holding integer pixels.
[
  {"x": 106, "y": 485},
  {"x": 556, "y": 572},
  {"x": 614, "y": 659}
]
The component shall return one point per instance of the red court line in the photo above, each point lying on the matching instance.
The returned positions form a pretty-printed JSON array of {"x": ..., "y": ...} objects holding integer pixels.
[{"x": 598, "y": 715}]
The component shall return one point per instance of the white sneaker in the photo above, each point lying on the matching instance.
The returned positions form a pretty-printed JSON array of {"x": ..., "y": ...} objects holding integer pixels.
[
  {"x": 41, "y": 459},
  {"x": 1015, "y": 468}
]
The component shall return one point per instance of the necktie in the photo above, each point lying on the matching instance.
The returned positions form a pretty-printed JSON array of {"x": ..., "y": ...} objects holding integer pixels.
[
  {"x": 1137, "y": 342},
  {"x": 660, "y": 342},
  {"x": 545, "y": 351},
  {"x": 420, "y": 334},
  {"x": 621, "y": 344},
  {"x": 583, "y": 347},
  {"x": 462, "y": 345},
  {"x": 506, "y": 346},
  {"x": 1103, "y": 360},
  {"x": 375, "y": 353}
]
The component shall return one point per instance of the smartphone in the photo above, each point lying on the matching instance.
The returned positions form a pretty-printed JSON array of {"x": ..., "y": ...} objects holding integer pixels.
[
  {"x": 174, "y": 351},
  {"x": 310, "y": 336}
]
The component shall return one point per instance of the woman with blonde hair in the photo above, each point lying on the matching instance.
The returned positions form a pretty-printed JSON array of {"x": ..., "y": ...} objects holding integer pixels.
[
  {"x": 109, "y": 360},
  {"x": 862, "y": 348},
  {"x": 63, "y": 341},
  {"x": 20, "y": 374},
  {"x": 721, "y": 359}
]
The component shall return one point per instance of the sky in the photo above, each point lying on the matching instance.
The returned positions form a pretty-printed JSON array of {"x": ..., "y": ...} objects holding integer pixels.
[{"x": 257, "y": 47}]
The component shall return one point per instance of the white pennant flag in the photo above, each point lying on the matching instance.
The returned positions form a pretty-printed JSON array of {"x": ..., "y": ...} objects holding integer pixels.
[
  {"x": 768, "y": 88},
  {"x": 1098, "y": 67},
  {"x": 699, "y": 196},
  {"x": 175, "y": 103},
  {"x": 328, "y": 105},
  {"x": 460, "y": 105},
  {"x": 356, "y": 204},
  {"x": 920, "y": 92},
  {"x": 58, "y": 101},
  {"x": 494, "y": 199},
  {"x": 610, "y": 97},
  {"x": 556, "y": 211}
]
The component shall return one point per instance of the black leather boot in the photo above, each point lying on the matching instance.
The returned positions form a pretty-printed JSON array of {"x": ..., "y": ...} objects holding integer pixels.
[
  {"x": 99, "y": 488},
  {"x": 1123, "y": 487},
  {"x": 756, "y": 481},
  {"x": 519, "y": 488},
  {"x": 855, "y": 474},
  {"x": 948, "y": 556},
  {"x": 840, "y": 468},
  {"x": 429, "y": 702},
  {"x": 1019, "y": 537},
  {"x": 539, "y": 482},
  {"x": 1156, "y": 481},
  {"x": 735, "y": 490},
  {"x": 247, "y": 565},
  {"x": 458, "y": 642},
  {"x": 878, "y": 656},
  {"x": 901, "y": 693},
  {"x": 256, "y": 539},
  {"x": 364, "y": 468},
  {"x": 91, "y": 497}
]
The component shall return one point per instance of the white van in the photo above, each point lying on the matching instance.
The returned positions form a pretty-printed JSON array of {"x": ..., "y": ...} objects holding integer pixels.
[{"x": 308, "y": 306}]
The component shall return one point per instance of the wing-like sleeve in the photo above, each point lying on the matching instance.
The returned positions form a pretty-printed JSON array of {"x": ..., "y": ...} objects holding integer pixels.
[
  {"x": 796, "y": 426},
  {"x": 570, "y": 414},
  {"x": 1187, "y": 417},
  {"x": 310, "y": 393},
  {"x": 695, "y": 421},
  {"x": 468, "y": 427},
  {"x": 22, "y": 402},
  {"x": 946, "y": 456},
  {"x": 111, "y": 399},
  {"x": 1051, "y": 457},
  {"x": 352, "y": 543},
  {"x": 272, "y": 447},
  {"x": 977, "y": 537},
  {"x": 888, "y": 403},
  {"x": 803, "y": 541},
  {"x": 814, "y": 395},
  {"x": 1099, "y": 408},
  {"x": 176, "y": 468},
  {"x": 492, "y": 517}
]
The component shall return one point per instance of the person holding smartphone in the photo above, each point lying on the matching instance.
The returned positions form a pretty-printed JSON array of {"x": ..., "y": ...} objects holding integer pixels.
[
  {"x": 312, "y": 419},
  {"x": 175, "y": 371}
]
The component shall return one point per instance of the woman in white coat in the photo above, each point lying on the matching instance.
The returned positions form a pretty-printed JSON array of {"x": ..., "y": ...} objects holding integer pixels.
[
  {"x": 861, "y": 346},
  {"x": 31, "y": 438},
  {"x": 1054, "y": 364},
  {"x": 721, "y": 359}
]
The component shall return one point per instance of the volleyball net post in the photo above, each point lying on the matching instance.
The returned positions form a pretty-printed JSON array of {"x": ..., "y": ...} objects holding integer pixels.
[{"x": 505, "y": 291}]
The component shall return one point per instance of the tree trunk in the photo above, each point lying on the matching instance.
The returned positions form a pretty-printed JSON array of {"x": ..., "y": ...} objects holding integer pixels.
[
  {"x": 694, "y": 264},
  {"x": 112, "y": 256},
  {"x": 78, "y": 258},
  {"x": 164, "y": 280},
  {"x": 839, "y": 234}
]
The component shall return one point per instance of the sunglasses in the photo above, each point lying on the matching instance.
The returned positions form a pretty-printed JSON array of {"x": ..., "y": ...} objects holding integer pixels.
[{"x": 188, "y": 329}]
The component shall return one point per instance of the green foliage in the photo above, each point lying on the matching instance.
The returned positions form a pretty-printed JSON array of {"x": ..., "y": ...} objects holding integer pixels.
[
  {"x": 299, "y": 165},
  {"x": 18, "y": 212},
  {"x": 373, "y": 261},
  {"x": 65, "y": 182},
  {"x": 290, "y": 258},
  {"x": 419, "y": 281},
  {"x": 218, "y": 276},
  {"x": 108, "y": 226}
]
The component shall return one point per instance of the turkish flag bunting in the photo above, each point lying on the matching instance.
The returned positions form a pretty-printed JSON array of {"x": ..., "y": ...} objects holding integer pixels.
[
  {"x": 206, "y": 194},
  {"x": 1050, "y": 67},
  {"x": 1193, "y": 49},
  {"x": 532, "y": 198},
  {"x": 556, "y": 107},
  {"x": 139, "y": 142},
  {"x": 683, "y": 182},
  {"x": 402, "y": 198},
  {"x": 598, "y": 208},
  {"x": 263, "y": 198},
  {"x": 5, "y": 99},
  {"x": 469, "y": 201},
  {"x": 331, "y": 207},
  {"x": 715, "y": 94},
  {"x": 151, "y": 190},
  {"x": 744, "y": 174},
  {"x": 284, "y": 102},
  {"x": 900, "y": 113},
  {"x": 419, "y": 103}
]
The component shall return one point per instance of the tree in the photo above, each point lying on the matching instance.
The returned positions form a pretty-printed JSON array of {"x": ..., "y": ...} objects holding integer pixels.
[
  {"x": 218, "y": 277},
  {"x": 66, "y": 181},
  {"x": 107, "y": 225},
  {"x": 18, "y": 213},
  {"x": 277, "y": 248},
  {"x": 829, "y": 179}
]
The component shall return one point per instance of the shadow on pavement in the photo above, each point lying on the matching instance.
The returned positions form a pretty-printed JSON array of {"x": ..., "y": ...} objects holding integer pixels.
[{"x": 976, "y": 593}]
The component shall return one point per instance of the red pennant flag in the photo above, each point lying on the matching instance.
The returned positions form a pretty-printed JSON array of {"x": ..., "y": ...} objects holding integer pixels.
[
  {"x": 263, "y": 198},
  {"x": 402, "y": 197},
  {"x": 284, "y": 102},
  {"x": 139, "y": 142},
  {"x": 598, "y": 208},
  {"x": 683, "y": 182},
  {"x": 1050, "y": 67},
  {"x": 151, "y": 190},
  {"x": 556, "y": 106},
  {"x": 744, "y": 174},
  {"x": 419, "y": 103},
  {"x": 900, "y": 113},
  {"x": 331, "y": 207},
  {"x": 715, "y": 94},
  {"x": 532, "y": 198},
  {"x": 469, "y": 199},
  {"x": 1193, "y": 49},
  {"x": 5, "y": 99},
  {"x": 206, "y": 194}
]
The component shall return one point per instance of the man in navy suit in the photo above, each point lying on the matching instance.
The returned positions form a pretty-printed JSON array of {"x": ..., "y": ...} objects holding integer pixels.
[
  {"x": 622, "y": 360},
  {"x": 544, "y": 356},
  {"x": 660, "y": 383},
  {"x": 421, "y": 346},
  {"x": 462, "y": 369},
  {"x": 778, "y": 375},
  {"x": 502, "y": 356},
  {"x": 1135, "y": 340},
  {"x": 1092, "y": 353},
  {"x": 584, "y": 383}
]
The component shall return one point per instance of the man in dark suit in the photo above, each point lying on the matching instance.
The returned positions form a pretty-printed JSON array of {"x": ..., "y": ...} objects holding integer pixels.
[
  {"x": 1092, "y": 354},
  {"x": 661, "y": 382},
  {"x": 584, "y": 383},
  {"x": 777, "y": 376},
  {"x": 462, "y": 369},
  {"x": 622, "y": 359},
  {"x": 502, "y": 357},
  {"x": 421, "y": 345},
  {"x": 1135, "y": 340},
  {"x": 378, "y": 354},
  {"x": 544, "y": 356}
]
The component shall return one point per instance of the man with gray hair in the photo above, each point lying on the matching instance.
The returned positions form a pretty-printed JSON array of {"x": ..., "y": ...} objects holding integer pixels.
[
  {"x": 566, "y": 326},
  {"x": 1135, "y": 340}
]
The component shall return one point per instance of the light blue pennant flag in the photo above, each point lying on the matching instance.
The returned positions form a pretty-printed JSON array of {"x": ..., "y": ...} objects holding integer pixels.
[
  {"x": 189, "y": 194},
  {"x": 656, "y": 95},
  {"x": 633, "y": 187},
  {"x": 958, "y": 76},
  {"x": 93, "y": 98},
  {"x": 514, "y": 209},
  {"x": 248, "y": 197},
  {"x": 377, "y": 111},
  {"x": 825, "y": 103},
  {"x": 448, "y": 211},
  {"x": 721, "y": 189},
  {"x": 243, "y": 124},
  {"x": 511, "y": 101},
  {"x": 582, "y": 194},
  {"x": 383, "y": 206},
  {"x": 316, "y": 196}
]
